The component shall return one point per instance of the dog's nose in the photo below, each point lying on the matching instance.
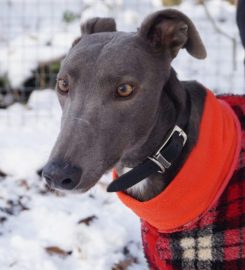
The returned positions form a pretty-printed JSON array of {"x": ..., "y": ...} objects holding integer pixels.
[{"x": 62, "y": 176}]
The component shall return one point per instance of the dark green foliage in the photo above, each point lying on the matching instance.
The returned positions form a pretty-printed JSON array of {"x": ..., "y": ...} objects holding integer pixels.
[{"x": 70, "y": 16}]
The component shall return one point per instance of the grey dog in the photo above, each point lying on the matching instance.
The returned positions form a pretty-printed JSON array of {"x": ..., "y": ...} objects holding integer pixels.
[{"x": 120, "y": 97}]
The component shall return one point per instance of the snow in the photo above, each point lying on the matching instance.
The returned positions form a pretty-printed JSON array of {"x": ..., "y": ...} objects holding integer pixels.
[
  {"x": 93, "y": 230},
  {"x": 24, "y": 53}
]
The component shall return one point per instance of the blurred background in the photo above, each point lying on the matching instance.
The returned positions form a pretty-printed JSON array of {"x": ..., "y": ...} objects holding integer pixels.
[{"x": 49, "y": 231}]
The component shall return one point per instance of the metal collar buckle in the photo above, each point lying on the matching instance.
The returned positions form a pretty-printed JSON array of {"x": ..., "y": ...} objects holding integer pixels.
[{"x": 158, "y": 158}]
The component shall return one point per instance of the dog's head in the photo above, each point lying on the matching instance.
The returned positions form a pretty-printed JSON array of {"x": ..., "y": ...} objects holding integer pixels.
[{"x": 110, "y": 86}]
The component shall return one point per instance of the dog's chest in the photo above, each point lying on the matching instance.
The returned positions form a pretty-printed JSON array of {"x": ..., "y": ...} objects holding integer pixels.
[{"x": 214, "y": 241}]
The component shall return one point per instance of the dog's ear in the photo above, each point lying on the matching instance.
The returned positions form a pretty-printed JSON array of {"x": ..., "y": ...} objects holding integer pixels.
[
  {"x": 96, "y": 25},
  {"x": 172, "y": 30},
  {"x": 75, "y": 41}
]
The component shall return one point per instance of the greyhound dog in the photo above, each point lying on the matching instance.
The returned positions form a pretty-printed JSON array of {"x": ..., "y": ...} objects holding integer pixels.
[{"x": 121, "y": 102}]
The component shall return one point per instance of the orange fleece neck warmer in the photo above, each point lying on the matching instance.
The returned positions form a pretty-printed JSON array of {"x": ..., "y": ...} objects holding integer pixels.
[{"x": 202, "y": 178}]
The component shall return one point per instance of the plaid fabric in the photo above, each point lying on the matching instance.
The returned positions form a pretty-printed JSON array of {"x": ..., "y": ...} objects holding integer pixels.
[{"x": 216, "y": 240}]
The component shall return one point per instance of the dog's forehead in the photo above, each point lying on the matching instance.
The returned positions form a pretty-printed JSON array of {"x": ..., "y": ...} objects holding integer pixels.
[{"x": 103, "y": 47}]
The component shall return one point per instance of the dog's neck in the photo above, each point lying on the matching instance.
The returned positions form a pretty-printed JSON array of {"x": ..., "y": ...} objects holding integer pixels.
[{"x": 175, "y": 97}]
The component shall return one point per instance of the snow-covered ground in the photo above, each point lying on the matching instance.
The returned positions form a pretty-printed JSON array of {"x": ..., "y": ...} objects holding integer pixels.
[{"x": 40, "y": 230}]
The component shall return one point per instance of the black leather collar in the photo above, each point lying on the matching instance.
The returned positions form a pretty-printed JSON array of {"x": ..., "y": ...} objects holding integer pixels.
[{"x": 164, "y": 157}]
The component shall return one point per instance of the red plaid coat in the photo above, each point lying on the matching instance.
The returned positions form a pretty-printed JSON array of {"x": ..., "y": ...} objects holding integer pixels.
[{"x": 217, "y": 240}]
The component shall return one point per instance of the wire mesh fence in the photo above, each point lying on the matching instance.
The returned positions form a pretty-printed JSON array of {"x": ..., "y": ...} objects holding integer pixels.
[{"x": 36, "y": 34}]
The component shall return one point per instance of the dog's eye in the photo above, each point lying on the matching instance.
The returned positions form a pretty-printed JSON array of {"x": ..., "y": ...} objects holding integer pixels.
[
  {"x": 63, "y": 85},
  {"x": 124, "y": 90}
]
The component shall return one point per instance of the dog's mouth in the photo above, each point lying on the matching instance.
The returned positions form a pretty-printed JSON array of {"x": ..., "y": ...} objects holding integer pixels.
[
  {"x": 84, "y": 188},
  {"x": 84, "y": 185},
  {"x": 80, "y": 188},
  {"x": 61, "y": 176}
]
